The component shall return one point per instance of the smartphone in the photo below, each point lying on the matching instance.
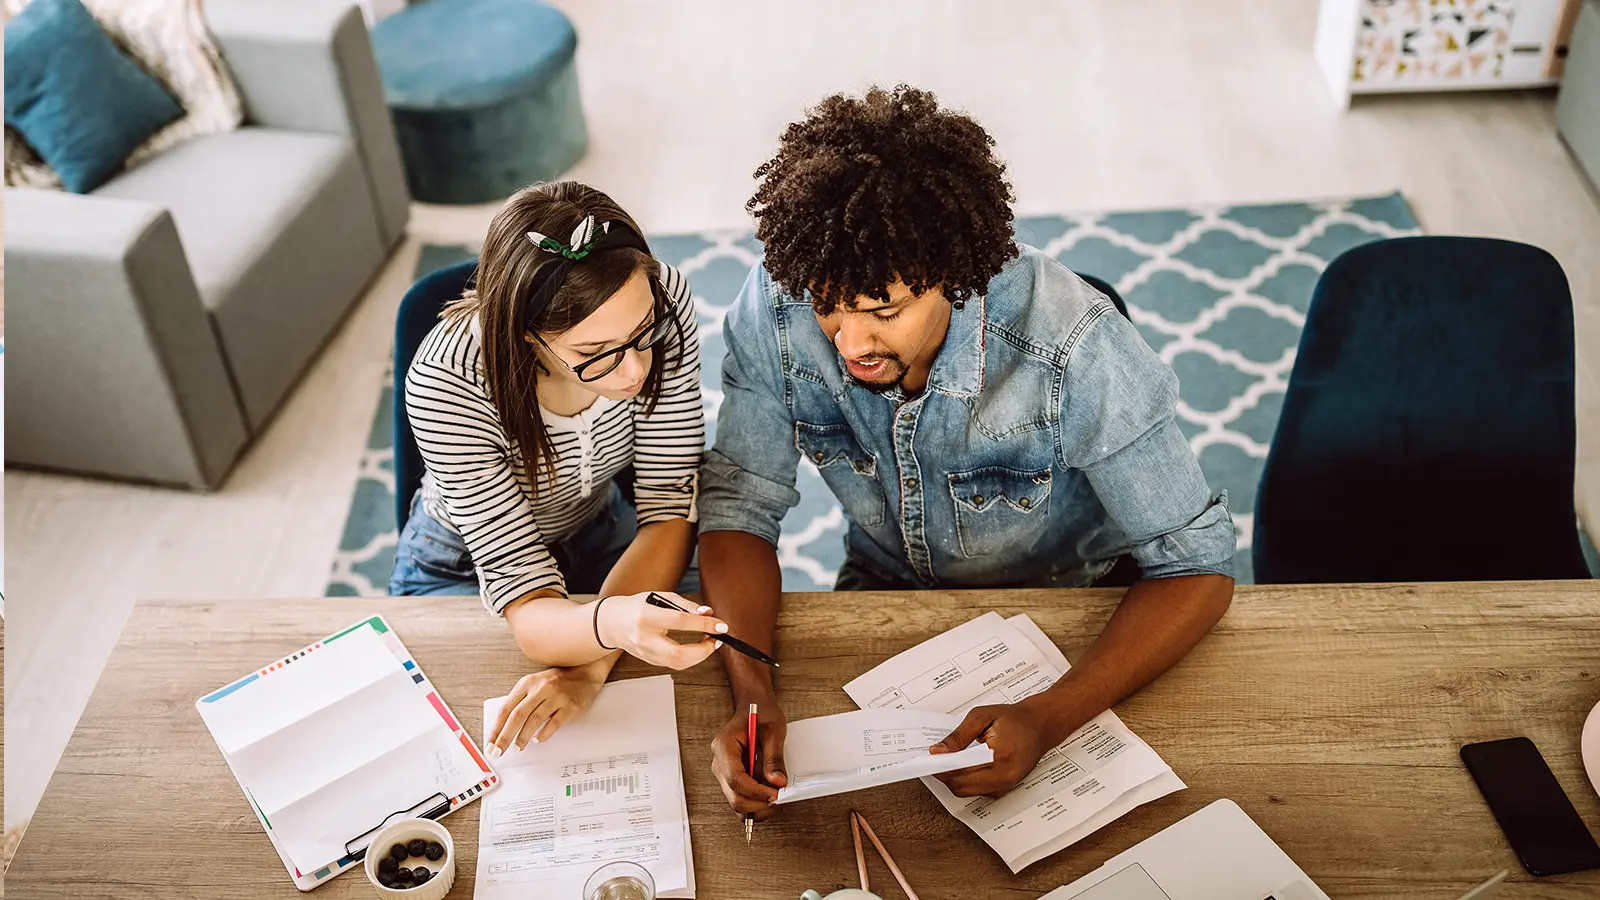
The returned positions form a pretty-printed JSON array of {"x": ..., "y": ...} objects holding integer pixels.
[{"x": 1544, "y": 829}]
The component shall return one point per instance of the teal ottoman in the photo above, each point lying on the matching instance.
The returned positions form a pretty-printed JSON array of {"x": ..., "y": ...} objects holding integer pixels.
[{"x": 484, "y": 96}]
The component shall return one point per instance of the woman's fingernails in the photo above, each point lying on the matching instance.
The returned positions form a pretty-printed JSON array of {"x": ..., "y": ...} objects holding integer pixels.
[
  {"x": 703, "y": 610},
  {"x": 718, "y": 646},
  {"x": 722, "y": 628},
  {"x": 494, "y": 751},
  {"x": 533, "y": 740}
]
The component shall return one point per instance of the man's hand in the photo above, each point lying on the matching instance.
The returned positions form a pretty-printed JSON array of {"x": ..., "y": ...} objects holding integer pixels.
[
  {"x": 728, "y": 749},
  {"x": 1016, "y": 734}
]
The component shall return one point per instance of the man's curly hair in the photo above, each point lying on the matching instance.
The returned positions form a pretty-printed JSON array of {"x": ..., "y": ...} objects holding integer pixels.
[{"x": 865, "y": 190}]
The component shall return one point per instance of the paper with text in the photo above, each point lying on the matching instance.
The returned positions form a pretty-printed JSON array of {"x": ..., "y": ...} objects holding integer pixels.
[
  {"x": 606, "y": 787},
  {"x": 1160, "y": 786},
  {"x": 1096, "y": 775},
  {"x": 858, "y": 750}
]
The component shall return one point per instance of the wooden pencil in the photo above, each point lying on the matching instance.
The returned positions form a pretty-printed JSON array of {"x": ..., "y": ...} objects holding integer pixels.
[
  {"x": 861, "y": 860},
  {"x": 893, "y": 869}
]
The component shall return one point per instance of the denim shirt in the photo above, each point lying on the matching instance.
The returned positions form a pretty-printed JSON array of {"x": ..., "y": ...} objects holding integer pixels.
[{"x": 1043, "y": 448}]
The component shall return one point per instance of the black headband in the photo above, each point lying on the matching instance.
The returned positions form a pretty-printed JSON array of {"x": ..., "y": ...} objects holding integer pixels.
[{"x": 587, "y": 238}]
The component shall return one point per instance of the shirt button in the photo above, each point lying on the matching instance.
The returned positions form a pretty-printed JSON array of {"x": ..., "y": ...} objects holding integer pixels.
[
  {"x": 911, "y": 483},
  {"x": 977, "y": 500},
  {"x": 906, "y": 417},
  {"x": 818, "y": 456},
  {"x": 1024, "y": 503}
]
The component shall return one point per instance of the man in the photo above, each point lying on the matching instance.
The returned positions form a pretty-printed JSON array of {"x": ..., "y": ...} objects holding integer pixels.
[{"x": 985, "y": 418}]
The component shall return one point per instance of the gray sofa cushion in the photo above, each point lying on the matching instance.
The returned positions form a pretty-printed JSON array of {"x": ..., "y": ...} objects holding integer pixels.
[
  {"x": 231, "y": 194},
  {"x": 279, "y": 231}
]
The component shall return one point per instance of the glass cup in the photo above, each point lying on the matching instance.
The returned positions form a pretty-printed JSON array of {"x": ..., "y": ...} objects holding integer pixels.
[{"x": 620, "y": 881}]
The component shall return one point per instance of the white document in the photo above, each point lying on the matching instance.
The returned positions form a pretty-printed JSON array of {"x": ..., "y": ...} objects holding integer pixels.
[
  {"x": 1096, "y": 775},
  {"x": 608, "y": 786},
  {"x": 858, "y": 750},
  {"x": 1166, "y": 783},
  {"x": 330, "y": 746}
]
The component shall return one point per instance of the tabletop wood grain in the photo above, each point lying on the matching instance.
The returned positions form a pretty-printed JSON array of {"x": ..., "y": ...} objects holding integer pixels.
[{"x": 1333, "y": 715}]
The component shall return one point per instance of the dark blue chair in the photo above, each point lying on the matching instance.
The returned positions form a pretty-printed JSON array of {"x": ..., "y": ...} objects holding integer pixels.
[
  {"x": 419, "y": 312},
  {"x": 1428, "y": 431}
]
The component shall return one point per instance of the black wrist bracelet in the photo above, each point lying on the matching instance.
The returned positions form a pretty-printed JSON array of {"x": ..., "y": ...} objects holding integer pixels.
[{"x": 597, "y": 625}]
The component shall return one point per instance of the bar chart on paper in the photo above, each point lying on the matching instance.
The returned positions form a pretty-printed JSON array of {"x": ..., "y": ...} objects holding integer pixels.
[
  {"x": 596, "y": 811},
  {"x": 608, "y": 787},
  {"x": 611, "y": 784}
]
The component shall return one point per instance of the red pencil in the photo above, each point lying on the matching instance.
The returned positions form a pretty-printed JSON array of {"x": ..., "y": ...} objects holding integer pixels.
[{"x": 750, "y": 768}]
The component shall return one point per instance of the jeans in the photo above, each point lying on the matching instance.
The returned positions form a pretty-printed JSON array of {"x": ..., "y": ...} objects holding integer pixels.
[{"x": 431, "y": 559}]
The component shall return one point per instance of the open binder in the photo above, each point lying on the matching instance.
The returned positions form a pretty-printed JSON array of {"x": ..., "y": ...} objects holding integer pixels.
[{"x": 338, "y": 739}]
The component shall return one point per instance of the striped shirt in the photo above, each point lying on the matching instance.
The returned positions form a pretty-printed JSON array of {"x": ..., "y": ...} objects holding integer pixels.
[{"x": 475, "y": 482}]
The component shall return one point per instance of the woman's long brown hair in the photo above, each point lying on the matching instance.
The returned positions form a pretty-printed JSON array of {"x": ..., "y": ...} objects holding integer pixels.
[{"x": 504, "y": 285}]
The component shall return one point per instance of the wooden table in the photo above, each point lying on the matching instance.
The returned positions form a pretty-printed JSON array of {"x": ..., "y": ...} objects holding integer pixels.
[{"x": 1333, "y": 715}]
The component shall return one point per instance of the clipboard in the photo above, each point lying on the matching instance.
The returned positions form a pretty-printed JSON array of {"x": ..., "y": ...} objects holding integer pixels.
[{"x": 284, "y": 710}]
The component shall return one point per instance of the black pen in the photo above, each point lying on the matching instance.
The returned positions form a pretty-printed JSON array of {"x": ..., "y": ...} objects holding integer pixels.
[{"x": 663, "y": 603}]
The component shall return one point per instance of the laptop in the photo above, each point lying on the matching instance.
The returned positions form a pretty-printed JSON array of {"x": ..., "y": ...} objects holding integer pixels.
[{"x": 1218, "y": 853}]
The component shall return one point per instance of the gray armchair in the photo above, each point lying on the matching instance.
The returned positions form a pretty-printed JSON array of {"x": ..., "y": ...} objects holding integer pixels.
[{"x": 158, "y": 322}]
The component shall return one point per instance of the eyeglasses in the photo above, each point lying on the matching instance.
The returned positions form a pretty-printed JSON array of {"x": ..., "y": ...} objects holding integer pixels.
[{"x": 599, "y": 366}]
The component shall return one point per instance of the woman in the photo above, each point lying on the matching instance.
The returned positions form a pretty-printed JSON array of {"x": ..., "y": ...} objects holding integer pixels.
[{"x": 573, "y": 358}]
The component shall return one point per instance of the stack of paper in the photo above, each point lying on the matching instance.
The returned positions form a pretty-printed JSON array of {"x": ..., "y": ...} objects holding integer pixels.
[
  {"x": 606, "y": 787},
  {"x": 857, "y": 750},
  {"x": 1095, "y": 776}
]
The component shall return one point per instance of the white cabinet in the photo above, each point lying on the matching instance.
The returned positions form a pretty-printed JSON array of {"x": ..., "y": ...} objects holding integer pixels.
[
  {"x": 1381, "y": 46},
  {"x": 1578, "y": 108}
]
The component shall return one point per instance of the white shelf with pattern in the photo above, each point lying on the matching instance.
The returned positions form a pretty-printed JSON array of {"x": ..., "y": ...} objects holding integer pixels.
[{"x": 1396, "y": 46}]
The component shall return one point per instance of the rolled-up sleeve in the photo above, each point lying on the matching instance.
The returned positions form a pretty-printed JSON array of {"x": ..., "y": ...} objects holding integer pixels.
[
  {"x": 747, "y": 482},
  {"x": 1118, "y": 427}
]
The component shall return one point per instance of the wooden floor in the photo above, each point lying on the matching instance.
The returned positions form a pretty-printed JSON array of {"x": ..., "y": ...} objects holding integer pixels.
[{"x": 1097, "y": 104}]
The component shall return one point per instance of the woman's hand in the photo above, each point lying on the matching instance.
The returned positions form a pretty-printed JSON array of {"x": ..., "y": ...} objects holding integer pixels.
[
  {"x": 630, "y": 623},
  {"x": 541, "y": 703}
]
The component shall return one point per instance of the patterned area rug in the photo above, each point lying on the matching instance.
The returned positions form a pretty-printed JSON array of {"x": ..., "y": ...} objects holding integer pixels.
[{"x": 1220, "y": 293}]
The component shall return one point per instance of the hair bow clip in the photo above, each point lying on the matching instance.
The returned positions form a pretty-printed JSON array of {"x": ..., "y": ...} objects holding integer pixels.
[{"x": 581, "y": 243}]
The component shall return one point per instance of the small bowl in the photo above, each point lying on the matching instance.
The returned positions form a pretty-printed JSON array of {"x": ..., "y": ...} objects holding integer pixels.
[{"x": 404, "y": 831}]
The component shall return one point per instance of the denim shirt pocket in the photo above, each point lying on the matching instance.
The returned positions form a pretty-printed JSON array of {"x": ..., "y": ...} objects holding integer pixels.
[
  {"x": 850, "y": 471},
  {"x": 999, "y": 508}
]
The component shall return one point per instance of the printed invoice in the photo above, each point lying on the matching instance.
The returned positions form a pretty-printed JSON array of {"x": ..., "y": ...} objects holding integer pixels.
[
  {"x": 857, "y": 750},
  {"x": 1096, "y": 775},
  {"x": 606, "y": 787}
]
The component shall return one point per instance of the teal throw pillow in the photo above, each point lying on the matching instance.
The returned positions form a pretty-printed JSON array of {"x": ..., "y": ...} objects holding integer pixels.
[{"x": 81, "y": 103}]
